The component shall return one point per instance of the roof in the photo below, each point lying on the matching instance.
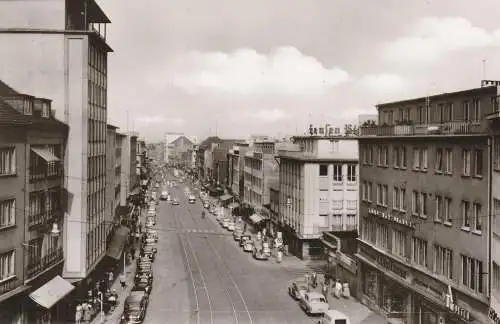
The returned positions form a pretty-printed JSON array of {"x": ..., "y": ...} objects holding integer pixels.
[
  {"x": 111, "y": 126},
  {"x": 10, "y": 116},
  {"x": 6, "y": 91}
]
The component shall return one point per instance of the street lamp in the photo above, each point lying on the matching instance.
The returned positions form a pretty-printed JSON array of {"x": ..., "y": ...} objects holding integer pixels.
[{"x": 99, "y": 293}]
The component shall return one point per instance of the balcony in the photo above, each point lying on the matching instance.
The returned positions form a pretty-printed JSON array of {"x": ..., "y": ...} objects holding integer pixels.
[
  {"x": 35, "y": 267},
  {"x": 430, "y": 129},
  {"x": 343, "y": 227},
  {"x": 40, "y": 218},
  {"x": 36, "y": 176},
  {"x": 8, "y": 284}
]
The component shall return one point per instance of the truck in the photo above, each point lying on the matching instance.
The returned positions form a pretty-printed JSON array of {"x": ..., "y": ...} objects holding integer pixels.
[{"x": 261, "y": 250}]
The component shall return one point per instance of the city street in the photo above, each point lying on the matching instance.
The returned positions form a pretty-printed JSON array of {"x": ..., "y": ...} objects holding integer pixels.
[{"x": 203, "y": 276}]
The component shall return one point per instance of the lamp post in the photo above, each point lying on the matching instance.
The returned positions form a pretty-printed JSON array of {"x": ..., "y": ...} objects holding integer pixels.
[{"x": 99, "y": 293}]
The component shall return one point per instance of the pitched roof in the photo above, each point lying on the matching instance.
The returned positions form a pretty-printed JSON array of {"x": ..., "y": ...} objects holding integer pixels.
[
  {"x": 6, "y": 91},
  {"x": 10, "y": 116}
]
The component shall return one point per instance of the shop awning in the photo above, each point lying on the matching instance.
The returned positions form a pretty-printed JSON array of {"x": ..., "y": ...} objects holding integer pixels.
[
  {"x": 45, "y": 154},
  {"x": 117, "y": 243},
  {"x": 225, "y": 197},
  {"x": 256, "y": 218},
  {"x": 52, "y": 292}
]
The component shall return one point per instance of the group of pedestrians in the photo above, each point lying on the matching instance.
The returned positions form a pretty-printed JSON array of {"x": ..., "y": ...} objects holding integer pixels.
[
  {"x": 91, "y": 306},
  {"x": 328, "y": 284}
]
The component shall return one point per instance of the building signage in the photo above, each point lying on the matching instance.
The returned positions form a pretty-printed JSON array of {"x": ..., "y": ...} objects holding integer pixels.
[
  {"x": 385, "y": 262},
  {"x": 493, "y": 316},
  {"x": 329, "y": 130},
  {"x": 390, "y": 217},
  {"x": 455, "y": 308}
]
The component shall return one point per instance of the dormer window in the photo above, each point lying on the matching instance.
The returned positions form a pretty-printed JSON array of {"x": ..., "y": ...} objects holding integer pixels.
[
  {"x": 45, "y": 110},
  {"x": 28, "y": 106}
]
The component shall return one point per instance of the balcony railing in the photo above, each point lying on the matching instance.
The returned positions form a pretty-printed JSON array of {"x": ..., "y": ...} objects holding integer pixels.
[
  {"x": 344, "y": 227},
  {"x": 445, "y": 128},
  {"x": 38, "y": 176},
  {"x": 9, "y": 284},
  {"x": 35, "y": 267},
  {"x": 41, "y": 217}
]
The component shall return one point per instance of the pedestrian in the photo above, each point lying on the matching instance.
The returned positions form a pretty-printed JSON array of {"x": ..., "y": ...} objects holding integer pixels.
[
  {"x": 78, "y": 314},
  {"x": 123, "y": 280},
  {"x": 110, "y": 278},
  {"x": 324, "y": 291}
]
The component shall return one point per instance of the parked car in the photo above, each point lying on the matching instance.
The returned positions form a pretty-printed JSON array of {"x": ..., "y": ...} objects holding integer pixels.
[
  {"x": 334, "y": 317},
  {"x": 244, "y": 238},
  {"x": 297, "y": 289},
  {"x": 135, "y": 307},
  {"x": 225, "y": 223},
  {"x": 314, "y": 303},
  {"x": 237, "y": 234},
  {"x": 248, "y": 245},
  {"x": 143, "y": 284}
]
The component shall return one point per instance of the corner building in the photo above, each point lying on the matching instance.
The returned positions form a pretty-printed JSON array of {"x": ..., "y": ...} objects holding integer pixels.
[
  {"x": 64, "y": 49},
  {"x": 425, "y": 175}
]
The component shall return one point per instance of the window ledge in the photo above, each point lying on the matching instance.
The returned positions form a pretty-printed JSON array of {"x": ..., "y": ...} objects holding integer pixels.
[
  {"x": 465, "y": 228},
  {"x": 402, "y": 168},
  {"x": 423, "y": 216},
  {"x": 438, "y": 172},
  {"x": 424, "y": 170},
  {"x": 8, "y": 175},
  {"x": 465, "y": 175},
  {"x": 477, "y": 232},
  {"x": 8, "y": 227},
  {"x": 438, "y": 221},
  {"x": 448, "y": 174},
  {"x": 446, "y": 223},
  {"x": 479, "y": 177}
]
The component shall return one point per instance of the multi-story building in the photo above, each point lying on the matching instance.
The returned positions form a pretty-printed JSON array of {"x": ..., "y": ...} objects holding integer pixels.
[
  {"x": 134, "y": 173},
  {"x": 111, "y": 202},
  {"x": 318, "y": 180},
  {"x": 236, "y": 171},
  {"x": 117, "y": 175},
  {"x": 74, "y": 76},
  {"x": 125, "y": 168},
  {"x": 260, "y": 167},
  {"x": 425, "y": 208},
  {"x": 32, "y": 145},
  {"x": 200, "y": 156}
]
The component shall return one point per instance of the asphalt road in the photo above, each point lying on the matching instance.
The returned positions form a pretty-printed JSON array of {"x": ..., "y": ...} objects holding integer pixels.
[{"x": 202, "y": 276}]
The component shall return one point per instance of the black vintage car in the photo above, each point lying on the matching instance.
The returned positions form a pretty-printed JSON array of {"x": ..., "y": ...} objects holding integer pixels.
[
  {"x": 135, "y": 307},
  {"x": 143, "y": 284}
]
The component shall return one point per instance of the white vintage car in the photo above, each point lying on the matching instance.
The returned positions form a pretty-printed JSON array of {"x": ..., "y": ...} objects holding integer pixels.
[{"x": 314, "y": 303}]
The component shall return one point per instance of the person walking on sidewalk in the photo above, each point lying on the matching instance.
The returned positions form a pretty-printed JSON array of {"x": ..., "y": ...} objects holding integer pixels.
[{"x": 123, "y": 280}]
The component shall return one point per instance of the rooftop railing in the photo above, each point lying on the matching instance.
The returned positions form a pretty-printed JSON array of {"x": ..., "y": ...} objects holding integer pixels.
[{"x": 445, "y": 128}]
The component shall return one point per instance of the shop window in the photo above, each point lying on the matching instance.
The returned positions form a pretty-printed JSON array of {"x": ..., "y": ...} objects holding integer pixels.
[
  {"x": 370, "y": 284},
  {"x": 394, "y": 299}
]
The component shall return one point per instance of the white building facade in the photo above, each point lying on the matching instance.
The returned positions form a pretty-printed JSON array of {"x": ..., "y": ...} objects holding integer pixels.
[{"x": 318, "y": 183}]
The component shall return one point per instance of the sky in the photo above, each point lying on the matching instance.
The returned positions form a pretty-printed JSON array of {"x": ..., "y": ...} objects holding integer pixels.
[{"x": 233, "y": 68}]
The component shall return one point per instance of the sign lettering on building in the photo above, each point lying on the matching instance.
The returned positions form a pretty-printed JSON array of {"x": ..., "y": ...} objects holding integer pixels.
[
  {"x": 391, "y": 217},
  {"x": 329, "y": 130},
  {"x": 385, "y": 262}
]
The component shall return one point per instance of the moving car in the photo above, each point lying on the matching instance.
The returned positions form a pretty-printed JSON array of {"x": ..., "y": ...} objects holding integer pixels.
[
  {"x": 225, "y": 223},
  {"x": 314, "y": 303},
  {"x": 332, "y": 316},
  {"x": 164, "y": 195},
  {"x": 192, "y": 199},
  {"x": 206, "y": 206},
  {"x": 231, "y": 226},
  {"x": 297, "y": 289},
  {"x": 175, "y": 202},
  {"x": 134, "y": 310}
]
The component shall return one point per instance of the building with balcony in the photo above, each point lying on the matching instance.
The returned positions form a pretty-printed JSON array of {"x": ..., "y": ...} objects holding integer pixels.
[
  {"x": 318, "y": 179},
  {"x": 236, "y": 170},
  {"x": 32, "y": 145},
  {"x": 425, "y": 174},
  {"x": 74, "y": 76}
]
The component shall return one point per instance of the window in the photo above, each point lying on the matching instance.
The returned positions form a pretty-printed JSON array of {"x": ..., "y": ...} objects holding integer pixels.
[
  {"x": 478, "y": 162},
  {"x": 477, "y": 217},
  {"x": 398, "y": 243},
  {"x": 7, "y": 213},
  {"x": 369, "y": 230},
  {"x": 351, "y": 173},
  {"x": 352, "y": 204},
  {"x": 364, "y": 190},
  {"x": 447, "y": 210},
  {"x": 382, "y": 236},
  {"x": 395, "y": 198},
  {"x": 370, "y": 191},
  {"x": 382, "y": 195},
  {"x": 7, "y": 161},
  {"x": 7, "y": 265},
  {"x": 28, "y": 106},
  {"x": 323, "y": 170},
  {"x": 423, "y": 159},
  {"x": 45, "y": 110},
  {"x": 419, "y": 251},
  {"x": 416, "y": 159},
  {"x": 448, "y": 161},
  {"x": 466, "y": 111},
  {"x": 396, "y": 157},
  {"x": 402, "y": 198},
  {"x": 472, "y": 273},
  {"x": 415, "y": 202},
  {"x": 337, "y": 204},
  {"x": 337, "y": 172},
  {"x": 476, "y": 110},
  {"x": 383, "y": 155},
  {"x": 439, "y": 209},
  {"x": 404, "y": 161},
  {"x": 424, "y": 205},
  {"x": 443, "y": 261},
  {"x": 466, "y": 162},
  {"x": 439, "y": 160},
  {"x": 495, "y": 279},
  {"x": 466, "y": 214}
]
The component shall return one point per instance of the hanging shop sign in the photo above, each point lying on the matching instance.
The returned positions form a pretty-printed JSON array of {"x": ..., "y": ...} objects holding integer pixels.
[
  {"x": 330, "y": 130},
  {"x": 391, "y": 217}
]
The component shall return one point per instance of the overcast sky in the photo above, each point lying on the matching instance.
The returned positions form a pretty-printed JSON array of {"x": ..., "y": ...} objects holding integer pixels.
[{"x": 271, "y": 67}]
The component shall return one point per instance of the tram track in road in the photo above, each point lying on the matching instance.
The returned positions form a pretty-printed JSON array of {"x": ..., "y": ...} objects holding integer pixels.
[
  {"x": 228, "y": 275},
  {"x": 191, "y": 273}
]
